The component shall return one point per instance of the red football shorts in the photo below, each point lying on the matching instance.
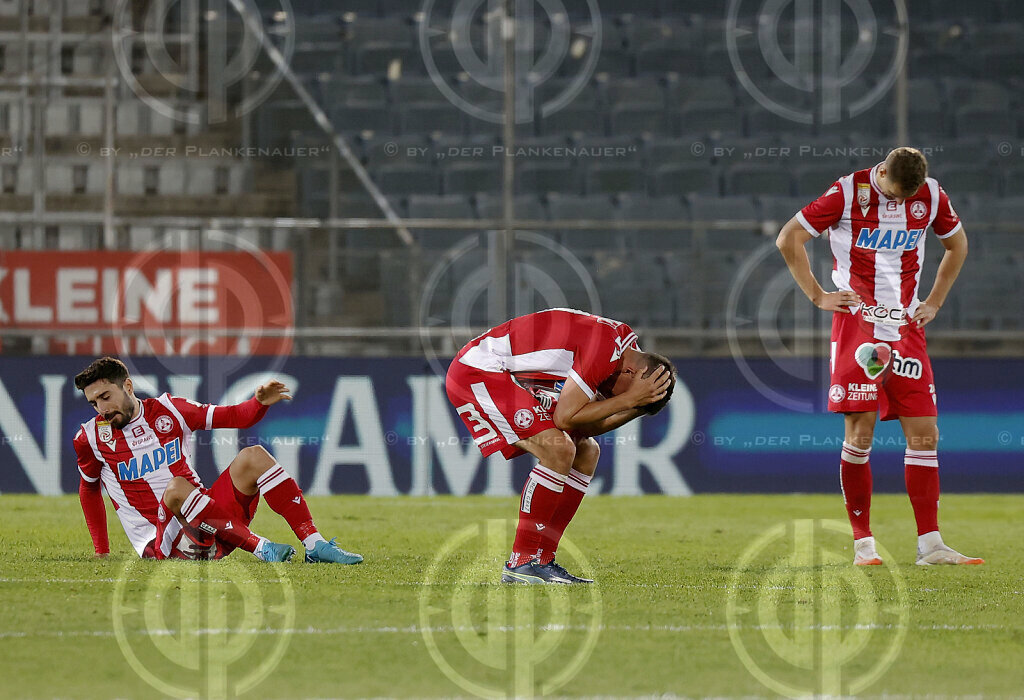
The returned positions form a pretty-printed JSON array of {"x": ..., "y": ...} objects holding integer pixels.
[
  {"x": 497, "y": 411},
  {"x": 236, "y": 504},
  {"x": 905, "y": 388}
]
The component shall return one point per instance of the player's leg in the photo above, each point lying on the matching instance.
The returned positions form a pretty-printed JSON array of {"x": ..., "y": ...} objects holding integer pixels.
[
  {"x": 855, "y": 480},
  {"x": 222, "y": 521},
  {"x": 555, "y": 452},
  {"x": 583, "y": 467},
  {"x": 922, "y": 476},
  {"x": 254, "y": 470}
]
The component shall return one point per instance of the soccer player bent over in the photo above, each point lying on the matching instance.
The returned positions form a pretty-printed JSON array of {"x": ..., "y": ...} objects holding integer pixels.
[
  {"x": 538, "y": 384},
  {"x": 141, "y": 451},
  {"x": 877, "y": 220}
]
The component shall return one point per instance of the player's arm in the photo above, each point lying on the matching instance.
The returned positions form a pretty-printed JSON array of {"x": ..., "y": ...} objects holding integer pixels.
[
  {"x": 242, "y": 415},
  {"x": 792, "y": 243},
  {"x": 576, "y": 410},
  {"x": 949, "y": 269},
  {"x": 90, "y": 496},
  {"x": 606, "y": 425}
]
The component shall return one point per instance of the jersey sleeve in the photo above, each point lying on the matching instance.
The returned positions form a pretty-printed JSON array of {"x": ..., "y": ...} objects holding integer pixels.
[
  {"x": 598, "y": 356},
  {"x": 88, "y": 466},
  {"x": 947, "y": 221},
  {"x": 824, "y": 212},
  {"x": 208, "y": 416},
  {"x": 91, "y": 498}
]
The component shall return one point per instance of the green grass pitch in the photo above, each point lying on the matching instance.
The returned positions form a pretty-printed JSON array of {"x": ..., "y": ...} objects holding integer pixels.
[{"x": 710, "y": 596}]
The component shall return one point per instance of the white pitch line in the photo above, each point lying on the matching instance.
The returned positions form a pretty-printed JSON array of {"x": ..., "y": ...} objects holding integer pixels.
[{"x": 443, "y": 629}]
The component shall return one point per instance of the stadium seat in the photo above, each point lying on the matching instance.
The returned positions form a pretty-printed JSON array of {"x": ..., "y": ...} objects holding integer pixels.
[
  {"x": 388, "y": 59},
  {"x": 539, "y": 177},
  {"x": 764, "y": 122},
  {"x": 711, "y": 209},
  {"x": 339, "y": 89},
  {"x": 811, "y": 181},
  {"x": 975, "y": 93},
  {"x": 407, "y": 179},
  {"x": 710, "y": 119},
  {"x": 777, "y": 211},
  {"x": 366, "y": 29},
  {"x": 574, "y": 119},
  {"x": 277, "y": 121},
  {"x": 592, "y": 207},
  {"x": 413, "y": 89},
  {"x": 987, "y": 35},
  {"x": 971, "y": 179},
  {"x": 440, "y": 207},
  {"x": 470, "y": 177},
  {"x": 661, "y": 58},
  {"x": 528, "y": 207},
  {"x": 356, "y": 117},
  {"x": 685, "y": 178},
  {"x": 1014, "y": 183},
  {"x": 639, "y": 119},
  {"x": 630, "y": 91},
  {"x": 712, "y": 90},
  {"x": 677, "y": 150},
  {"x": 926, "y": 120},
  {"x": 313, "y": 59},
  {"x": 758, "y": 179},
  {"x": 668, "y": 208},
  {"x": 609, "y": 178},
  {"x": 431, "y": 118},
  {"x": 547, "y": 93},
  {"x": 954, "y": 10},
  {"x": 939, "y": 64},
  {"x": 388, "y": 149},
  {"x": 985, "y": 121}
]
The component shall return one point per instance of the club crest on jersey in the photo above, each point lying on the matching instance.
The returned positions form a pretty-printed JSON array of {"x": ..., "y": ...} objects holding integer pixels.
[
  {"x": 162, "y": 456},
  {"x": 918, "y": 210},
  {"x": 864, "y": 195},
  {"x": 837, "y": 393},
  {"x": 163, "y": 424},
  {"x": 104, "y": 430},
  {"x": 873, "y": 358},
  {"x": 523, "y": 418},
  {"x": 889, "y": 239}
]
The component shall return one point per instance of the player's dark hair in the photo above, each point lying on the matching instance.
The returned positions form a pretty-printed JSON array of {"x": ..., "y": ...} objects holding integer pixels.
[
  {"x": 907, "y": 167},
  {"x": 654, "y": 361},
  {"x": 109, "y": 368}
]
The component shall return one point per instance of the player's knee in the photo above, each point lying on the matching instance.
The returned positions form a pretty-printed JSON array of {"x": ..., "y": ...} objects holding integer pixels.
[
  {"x": 255, "y": 457},
  {"x": 587, "y": 452},
  {"x": 176, "y": 492},
  {"x": 560, "y": 455}
]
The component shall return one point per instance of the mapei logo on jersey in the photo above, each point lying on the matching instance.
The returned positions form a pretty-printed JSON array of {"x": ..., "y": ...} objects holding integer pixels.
[
  {"x": 909, "y": 367},
  {"x": 163, "y": 424},
  {"x": 889, "y": 239},
  {"x": 162, "y": 456}
]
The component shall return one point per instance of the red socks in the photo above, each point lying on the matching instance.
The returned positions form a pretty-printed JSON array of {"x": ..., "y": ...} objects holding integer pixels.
[
  {"x": 202, "y": 512},
  {"x": 922, "y": 475},
  {"x": 568, "y": 504},
  {"x": 541, "y": 496},
  {"x": 284, "y": 497},
  {"x": 855, "y": 480}
]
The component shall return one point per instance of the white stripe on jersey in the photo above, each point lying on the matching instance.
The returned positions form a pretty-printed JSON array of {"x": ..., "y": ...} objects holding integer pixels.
[
  {"x": 187, "y": 436},
  {"x": 841, "y": 238},
  {"x": 139, "y": 530},
  {"x": 483, "y": 398}
]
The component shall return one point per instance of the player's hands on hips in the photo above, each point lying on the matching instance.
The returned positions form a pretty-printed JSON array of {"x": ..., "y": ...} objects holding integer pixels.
[
  {"x": 272, "y": 392},
  {"x": 648, "y": 390},
  {"x": 841, "y": 301},
  {"x": 925, "y": 314}
]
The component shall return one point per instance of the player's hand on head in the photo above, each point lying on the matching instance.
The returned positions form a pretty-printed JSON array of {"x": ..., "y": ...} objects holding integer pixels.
[
  {"x": 842, "y": 301},
  {"x": 272, "y": 392},
  {"x": 925, "y": 314},
  {"x": 650, "y": 389}
]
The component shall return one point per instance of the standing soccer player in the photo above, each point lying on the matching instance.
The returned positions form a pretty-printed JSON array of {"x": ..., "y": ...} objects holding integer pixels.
[
  {"x": 141, "y": 451},
  {"x": 538, "y": 384},
  {"x": 877, "y": 220}
]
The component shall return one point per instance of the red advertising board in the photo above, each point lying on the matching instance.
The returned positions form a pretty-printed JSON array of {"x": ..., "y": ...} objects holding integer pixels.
[{"x": 151, "y": 302}]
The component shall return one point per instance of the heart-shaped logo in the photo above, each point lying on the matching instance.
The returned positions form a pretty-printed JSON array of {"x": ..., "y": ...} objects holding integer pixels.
[{"x": 874, "y": 359}]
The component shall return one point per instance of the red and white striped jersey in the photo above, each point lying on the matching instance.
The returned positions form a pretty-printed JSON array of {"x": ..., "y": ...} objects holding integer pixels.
[
  {"x": 877, "y": 243},
  {"x": 136, "y": 463},
  {"x": 551, "y": 345}
]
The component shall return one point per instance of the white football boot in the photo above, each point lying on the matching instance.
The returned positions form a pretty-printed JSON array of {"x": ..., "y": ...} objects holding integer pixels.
[
  {"x": 864, "y": 553},
  {"x": 932, "y": 550}
]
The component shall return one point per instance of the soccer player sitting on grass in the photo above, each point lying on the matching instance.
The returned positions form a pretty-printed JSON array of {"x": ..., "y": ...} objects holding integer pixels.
[
  {"x": 141, "y": 451},
  {"x": 580, "y": 359}
]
